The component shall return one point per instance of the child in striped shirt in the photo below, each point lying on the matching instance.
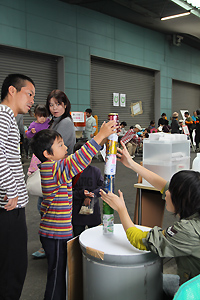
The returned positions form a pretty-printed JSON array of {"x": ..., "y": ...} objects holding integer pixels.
[{"x": 57, "y": 170}]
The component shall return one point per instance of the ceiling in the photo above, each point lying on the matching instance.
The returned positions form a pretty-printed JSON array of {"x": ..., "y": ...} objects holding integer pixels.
[{"x": 147, "y": 13}]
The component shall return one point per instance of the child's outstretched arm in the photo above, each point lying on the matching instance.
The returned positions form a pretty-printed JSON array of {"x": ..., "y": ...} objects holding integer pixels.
[
  {"x": 105, "y": 130},
  {"x": 134, "y": 235},
  {"x": 154, "y": 179}
]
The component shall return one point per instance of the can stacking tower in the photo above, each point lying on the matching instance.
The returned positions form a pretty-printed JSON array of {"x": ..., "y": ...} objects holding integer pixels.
[{"x": 109, "y": 177}]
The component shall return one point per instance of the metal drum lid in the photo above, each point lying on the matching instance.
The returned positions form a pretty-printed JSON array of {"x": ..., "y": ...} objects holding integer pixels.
[{"x": 112, "y": 249}]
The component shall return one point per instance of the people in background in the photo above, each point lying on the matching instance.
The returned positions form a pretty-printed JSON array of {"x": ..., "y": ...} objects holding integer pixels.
[
  {"x": 17, "y": 97},
  {"x": 163, "y": 120},
  {"x": 91, "y": 125},
  {"x": 194, "y": 115},
  {"x": 145, "y": 133},
  {"x": 181, "y": 240},
  {"x": 132, "y": 139},
  {"x": 190, "y": 124},
  {"x": 197, "y": 133},
  {"x": 180, "y": 122},
  {"x": 59, "y": 107},
  {"x": 57, "y": 170},
  {"x": 174, "y": 124},
  {"x": 123, "y": 130},
  {"x": 86, "y": 186},
  {"x": 152, "y": 127}
]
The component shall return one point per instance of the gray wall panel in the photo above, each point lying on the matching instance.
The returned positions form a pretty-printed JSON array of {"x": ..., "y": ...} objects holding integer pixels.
[{"x": 185, "y": 96}]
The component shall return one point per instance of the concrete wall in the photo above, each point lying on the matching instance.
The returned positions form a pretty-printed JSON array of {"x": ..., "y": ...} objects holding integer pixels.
[{"x": 54, "y": 27}]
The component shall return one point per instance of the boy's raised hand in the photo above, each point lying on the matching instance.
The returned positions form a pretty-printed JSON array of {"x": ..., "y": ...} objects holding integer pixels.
[
  {"x": 124, "y": 156},
  {"x": 106, "y": 130}
]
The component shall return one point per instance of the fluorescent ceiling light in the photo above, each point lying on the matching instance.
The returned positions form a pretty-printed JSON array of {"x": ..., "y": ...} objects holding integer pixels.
[
  {"x": 188, "y": 7},
  {"x": 175, "y": 16},
  {"x": 195, "y": 3}
]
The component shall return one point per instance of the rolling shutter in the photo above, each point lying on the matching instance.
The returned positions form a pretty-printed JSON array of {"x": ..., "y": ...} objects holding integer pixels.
[
  {"x": 108, "y": 77},
  {"x": 42, "y": 68}
]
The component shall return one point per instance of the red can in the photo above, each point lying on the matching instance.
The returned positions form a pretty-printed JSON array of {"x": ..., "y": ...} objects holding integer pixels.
[{"x": 114, "y": 116}]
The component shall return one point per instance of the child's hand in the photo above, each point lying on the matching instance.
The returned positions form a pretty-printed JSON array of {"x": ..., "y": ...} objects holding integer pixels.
[
  {"x": 124, "y": 156},
  {"x": 117, "y": 203},
  {"x": 33, "y": 130},
  {"x": 106, "y": 130},
  {"x": 88, "y": 194}
]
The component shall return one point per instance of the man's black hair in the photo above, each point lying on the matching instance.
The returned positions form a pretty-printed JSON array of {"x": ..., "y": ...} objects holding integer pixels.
[
  {"x": 88, "y": 110},
  {"x": 16, "y": 80},
  {"x": 185, "y": 193},
  {"x": 43, "y": 140}
]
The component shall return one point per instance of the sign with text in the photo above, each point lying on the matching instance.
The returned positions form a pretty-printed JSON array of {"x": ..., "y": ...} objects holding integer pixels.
[
  {"x": 78, "y": 116},
  {"x": 123, "y": 100},
  {"x": 115, "y": 99}
]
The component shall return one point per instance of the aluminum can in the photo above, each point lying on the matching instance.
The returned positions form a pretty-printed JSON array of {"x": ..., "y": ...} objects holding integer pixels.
[{"x": 114, "y": 116}]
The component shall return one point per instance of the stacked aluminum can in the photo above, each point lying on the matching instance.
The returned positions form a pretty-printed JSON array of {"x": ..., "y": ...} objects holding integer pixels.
[{"x": 109, "y": 176}]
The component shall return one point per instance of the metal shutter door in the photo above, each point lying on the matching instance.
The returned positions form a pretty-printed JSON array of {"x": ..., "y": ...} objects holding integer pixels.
[
  {"x": 108, "y": 77},
  {"x": 42, "y": 68},
  {"x": 185, "y": 96}
]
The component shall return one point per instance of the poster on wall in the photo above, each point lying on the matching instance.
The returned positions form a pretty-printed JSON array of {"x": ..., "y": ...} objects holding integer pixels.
[
  {"x": 136, "y": 108},
  {"x": 115, "y": 99},
  {"x": 123, "y": 100}
]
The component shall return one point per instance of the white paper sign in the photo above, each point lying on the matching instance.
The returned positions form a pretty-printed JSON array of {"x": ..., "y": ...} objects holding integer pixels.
[
  {"x": 136, "y": 108},
  {"x": 123, "y": 100},
  {"x": 115, "y": 99},
  {"x": 77, "y": 116}
]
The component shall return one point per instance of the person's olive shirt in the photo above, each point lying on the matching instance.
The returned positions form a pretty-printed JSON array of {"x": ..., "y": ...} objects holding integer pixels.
[{"x": 181, "y": 241}]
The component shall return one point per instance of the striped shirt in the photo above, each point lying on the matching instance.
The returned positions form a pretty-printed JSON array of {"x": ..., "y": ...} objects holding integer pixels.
[
  {"x": 12, "y": 181},
  {"x": 56, "y": 179}
]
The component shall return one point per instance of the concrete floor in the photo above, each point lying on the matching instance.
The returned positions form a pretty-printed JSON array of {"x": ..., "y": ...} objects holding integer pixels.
[{"x": 37, "y": 268}]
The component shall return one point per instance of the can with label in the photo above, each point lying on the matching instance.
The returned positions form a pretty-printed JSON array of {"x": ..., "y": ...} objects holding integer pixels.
[{"x": 114, "y": 116}]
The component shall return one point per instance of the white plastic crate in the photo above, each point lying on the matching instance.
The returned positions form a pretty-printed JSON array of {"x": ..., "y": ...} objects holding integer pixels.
[{"x": 165, "y": 157}]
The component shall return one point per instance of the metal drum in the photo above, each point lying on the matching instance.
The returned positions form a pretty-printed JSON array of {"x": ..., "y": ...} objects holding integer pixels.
[{"x": 114, "y": 270}]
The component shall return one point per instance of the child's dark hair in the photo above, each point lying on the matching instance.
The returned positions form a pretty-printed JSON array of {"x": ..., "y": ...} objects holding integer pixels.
[
  {"x": 41, "y": 111},
  {"x": 152, "y": 122},
  {"x": 185, "y": 193},
  {"x": 43, "y": 140},
  {"x": 79, "y": 144},
  {"x": 123, "y": 123}
]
